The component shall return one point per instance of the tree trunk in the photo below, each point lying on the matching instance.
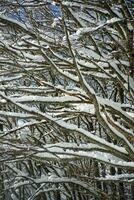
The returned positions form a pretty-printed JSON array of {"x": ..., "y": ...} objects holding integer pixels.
[
  {"x": 114, "y": 195},
  {"x": 121, "y": 188}
]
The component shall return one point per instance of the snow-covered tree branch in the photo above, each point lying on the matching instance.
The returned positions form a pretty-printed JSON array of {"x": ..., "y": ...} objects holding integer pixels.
[{"x": 66, "y": 99}]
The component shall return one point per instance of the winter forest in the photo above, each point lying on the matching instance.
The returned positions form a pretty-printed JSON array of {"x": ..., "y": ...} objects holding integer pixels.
[{"x": 67, "y": 100}]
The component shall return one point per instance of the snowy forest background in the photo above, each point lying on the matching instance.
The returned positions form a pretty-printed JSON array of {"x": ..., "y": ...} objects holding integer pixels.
[{"x": 66, "y": 100}]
